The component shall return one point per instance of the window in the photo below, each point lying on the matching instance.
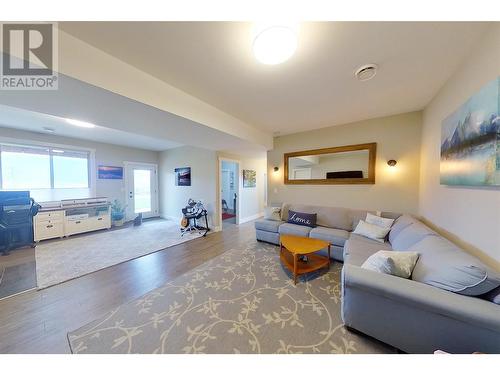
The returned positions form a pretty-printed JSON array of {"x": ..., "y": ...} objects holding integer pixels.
[
  {"x": 38, "y": 167},
  {"x": 71, "y": 169}
]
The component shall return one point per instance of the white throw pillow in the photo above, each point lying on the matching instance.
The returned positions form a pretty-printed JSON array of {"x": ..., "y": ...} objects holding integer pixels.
[
  {"x": 272, "y": 213},
  {"x": 371, "y": 231},
  {"x": 397, "y": 263},
  {"x": 380, "y": 221}
]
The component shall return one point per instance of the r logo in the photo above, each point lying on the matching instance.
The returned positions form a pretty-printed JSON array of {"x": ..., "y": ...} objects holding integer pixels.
[{"x": 28, "y": 49}]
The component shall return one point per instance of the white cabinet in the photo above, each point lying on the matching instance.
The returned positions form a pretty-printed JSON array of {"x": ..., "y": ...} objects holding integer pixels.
[{"x": 71, "y": 220}]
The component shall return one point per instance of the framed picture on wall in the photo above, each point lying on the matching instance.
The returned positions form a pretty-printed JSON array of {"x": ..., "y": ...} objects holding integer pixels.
[
  {"x": 249, "y": 178},
  {"x": 105, "y": 172},
  {"x": 183, "y": 176}
]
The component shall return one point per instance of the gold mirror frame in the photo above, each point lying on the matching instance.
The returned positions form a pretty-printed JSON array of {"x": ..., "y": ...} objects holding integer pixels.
[{"x": 372, "y": 155}]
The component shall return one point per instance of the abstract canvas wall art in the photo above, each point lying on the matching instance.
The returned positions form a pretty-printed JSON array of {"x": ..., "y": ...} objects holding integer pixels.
[{"x": 470, "y": 140}]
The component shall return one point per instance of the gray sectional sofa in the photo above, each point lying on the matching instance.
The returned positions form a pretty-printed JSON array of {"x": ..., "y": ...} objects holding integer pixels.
[{"x": 440, "y": 307}]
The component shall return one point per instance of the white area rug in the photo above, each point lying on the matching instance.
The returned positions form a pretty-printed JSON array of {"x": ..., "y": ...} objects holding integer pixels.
[{"x": 66, "y": 259}]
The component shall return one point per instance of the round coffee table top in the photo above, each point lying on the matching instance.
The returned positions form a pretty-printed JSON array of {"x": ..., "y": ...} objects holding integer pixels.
[{"x": 302, "y": 245}]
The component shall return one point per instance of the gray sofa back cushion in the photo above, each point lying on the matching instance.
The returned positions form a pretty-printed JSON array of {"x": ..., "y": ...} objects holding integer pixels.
[
  {"x": 333, "y": 217},
  {"x": 444, "y": 265},
  {"x": 410, "y": 235},
  {"x": 401, "y": 223}
]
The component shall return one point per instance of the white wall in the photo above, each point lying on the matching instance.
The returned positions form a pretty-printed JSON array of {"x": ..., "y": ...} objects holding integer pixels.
[
  {"x": 395, "y": 189},
  {"x": 105, "y": 154},
  {"x": 203, "y": 165},
  {"x": 470, "y": 216}
]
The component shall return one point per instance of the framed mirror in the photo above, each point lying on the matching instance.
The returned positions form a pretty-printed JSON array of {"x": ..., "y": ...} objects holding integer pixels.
[{"x": 353, "y": 164}]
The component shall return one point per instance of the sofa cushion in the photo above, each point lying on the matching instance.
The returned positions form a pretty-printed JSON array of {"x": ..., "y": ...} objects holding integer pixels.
[
  {"x": 410, "y": 235},
  {"x": 372, "y": 231},
  {"x": 294, "y": 230},
  {"x": 272, "y": 213},
  {"x": 332, "y": 217},
  {"x": 379, "y": 220},
  {"x": 357, "y": 249},
  {"x": 334, "y": 236},
  {"x": 396, "y": 263},
  {"x": 268, "y": 225},
  {"x": 301, "y": 218},
  {"x": 444, "y": 265},
  {"x": 401, "y": 223}
]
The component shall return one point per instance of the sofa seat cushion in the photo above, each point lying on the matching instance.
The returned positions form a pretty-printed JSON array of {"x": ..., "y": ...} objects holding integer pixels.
[
  {"x": 268, "y": 225},
  {"x": 357, "y": 249},
  {"x": 334, "y": 236},
  {"x": 444, "y": 265},
  {"x": 410, "y": 235},
  {"x": 294, "y": 230}
]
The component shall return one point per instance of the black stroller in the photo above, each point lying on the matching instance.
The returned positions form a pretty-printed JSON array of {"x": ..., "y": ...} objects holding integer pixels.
[{"x": 191, "y": 214}]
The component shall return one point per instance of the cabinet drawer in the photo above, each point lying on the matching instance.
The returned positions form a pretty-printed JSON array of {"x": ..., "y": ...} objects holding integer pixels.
[
  {"x": 76, "y": 226},
  {"x": 48, "y": 220},
  {"x": 48, "y": 230},
  {"x": 49, "y": 215}
]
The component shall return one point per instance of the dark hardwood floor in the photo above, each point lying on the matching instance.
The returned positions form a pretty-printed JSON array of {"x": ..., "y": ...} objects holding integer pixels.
[{"x": 38, "y": 321}]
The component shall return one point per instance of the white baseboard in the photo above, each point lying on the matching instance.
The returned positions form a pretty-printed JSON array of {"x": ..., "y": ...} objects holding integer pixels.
[{"x": 250, "y": 218}]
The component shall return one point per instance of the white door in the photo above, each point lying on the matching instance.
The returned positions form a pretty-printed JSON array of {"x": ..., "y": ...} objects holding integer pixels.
[{"x": 142, "y": 190}]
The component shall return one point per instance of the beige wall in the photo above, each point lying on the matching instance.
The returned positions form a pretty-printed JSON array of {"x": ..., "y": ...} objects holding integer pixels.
[
  {"x": 396, "y": 189},
  {"x": 469, "y": 215}
]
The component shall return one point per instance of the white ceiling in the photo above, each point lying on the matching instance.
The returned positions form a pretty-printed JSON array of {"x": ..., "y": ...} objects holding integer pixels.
[
  {"x": 315, "y": 88},
  {"x": 17, "y": 118}
]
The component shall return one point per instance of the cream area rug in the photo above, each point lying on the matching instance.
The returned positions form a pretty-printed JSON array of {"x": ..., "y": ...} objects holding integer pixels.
[
  {"x": 242, "y": 301},
  {"x": 65, "y": 259}
]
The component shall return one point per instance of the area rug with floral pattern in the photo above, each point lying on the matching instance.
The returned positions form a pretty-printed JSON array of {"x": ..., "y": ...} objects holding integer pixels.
[{"x": 242, "y": 301}]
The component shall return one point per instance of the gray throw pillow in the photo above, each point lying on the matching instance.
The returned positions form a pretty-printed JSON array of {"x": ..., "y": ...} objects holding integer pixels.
[{"x": 302, "y": 218}]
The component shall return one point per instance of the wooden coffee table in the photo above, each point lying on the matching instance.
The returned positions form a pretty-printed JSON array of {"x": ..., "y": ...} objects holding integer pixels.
[{"x": 292, "y": 247}]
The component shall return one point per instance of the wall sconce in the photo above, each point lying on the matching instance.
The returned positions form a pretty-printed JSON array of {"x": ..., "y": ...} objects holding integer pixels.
[
  {"x": 276, "y": 169},
  {"x": 392, "y": 163}
]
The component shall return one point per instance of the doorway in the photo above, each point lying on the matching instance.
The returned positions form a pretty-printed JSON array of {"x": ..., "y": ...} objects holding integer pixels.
[
  {"x": 229, "y": 192},
  {"x": 141, "y": 184}
]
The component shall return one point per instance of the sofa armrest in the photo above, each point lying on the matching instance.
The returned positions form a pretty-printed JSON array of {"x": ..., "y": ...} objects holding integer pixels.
[{"x": 470, "y": 310}]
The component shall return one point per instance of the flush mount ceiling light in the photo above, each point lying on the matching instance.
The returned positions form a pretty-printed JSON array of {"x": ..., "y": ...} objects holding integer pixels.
[
  {"x": 81, "y": 124},
  {"x": 366, "y": 72},
  {"x": 275, "y": 44}
]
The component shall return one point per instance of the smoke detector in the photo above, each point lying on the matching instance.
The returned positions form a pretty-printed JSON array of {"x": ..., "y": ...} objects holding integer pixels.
[{"x": 366, "y": 72}]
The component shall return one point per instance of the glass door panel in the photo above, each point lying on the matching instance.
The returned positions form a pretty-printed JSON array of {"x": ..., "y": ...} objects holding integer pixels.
[{"x": 142, "y": 191}]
